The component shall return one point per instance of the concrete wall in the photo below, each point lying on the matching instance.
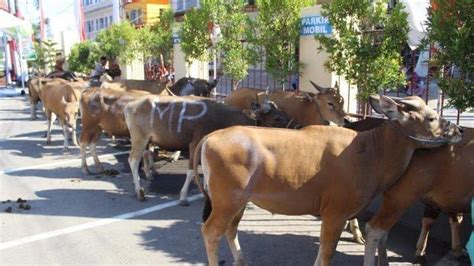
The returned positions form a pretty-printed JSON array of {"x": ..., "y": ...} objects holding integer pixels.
[
  {"x": 196, "y": 69},
  {"x": 313, "y": 67},
  {"x": 134, "y": 70}
]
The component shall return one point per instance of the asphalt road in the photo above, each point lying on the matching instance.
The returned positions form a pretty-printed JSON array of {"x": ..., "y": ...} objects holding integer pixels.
[{"x": 77, "y": 219}]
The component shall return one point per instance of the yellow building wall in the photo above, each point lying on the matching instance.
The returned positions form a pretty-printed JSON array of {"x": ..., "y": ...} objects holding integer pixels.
[{"x": 150, "y": 9}]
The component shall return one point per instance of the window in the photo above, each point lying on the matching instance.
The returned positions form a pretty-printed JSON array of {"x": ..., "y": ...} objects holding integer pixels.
[
  {"x": 136, "y": 16},
  {"x": 182, "y": 5},
  {"x": 97, "y": 24},
  {"x": 111, "y": 20},
  {"x": 101, "y": 23}
]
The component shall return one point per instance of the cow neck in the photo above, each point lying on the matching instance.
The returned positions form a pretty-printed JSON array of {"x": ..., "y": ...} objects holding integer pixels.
[{"x": 393, "y": 153}]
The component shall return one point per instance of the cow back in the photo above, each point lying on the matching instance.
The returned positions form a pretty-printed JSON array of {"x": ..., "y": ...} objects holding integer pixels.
[
  {"x": 102, "y": 107},
  {"x": 151, "y": 86}
]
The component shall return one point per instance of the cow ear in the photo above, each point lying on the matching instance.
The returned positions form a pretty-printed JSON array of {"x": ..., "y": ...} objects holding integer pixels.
[
  {"x": 319, "y": 88},
  {"x": 250, "y": 114},
  {"x": 390, "y": 108},
  {"x": 374, "y": 101}
]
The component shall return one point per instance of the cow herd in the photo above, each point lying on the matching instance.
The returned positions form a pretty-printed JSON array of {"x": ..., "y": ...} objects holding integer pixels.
[{"x": 278, "y": 151}]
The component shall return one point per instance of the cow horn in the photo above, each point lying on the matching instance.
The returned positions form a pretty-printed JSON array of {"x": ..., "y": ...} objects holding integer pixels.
[
  {"x": 63, "y": 100},
  {"x": 318, "y": 88}
]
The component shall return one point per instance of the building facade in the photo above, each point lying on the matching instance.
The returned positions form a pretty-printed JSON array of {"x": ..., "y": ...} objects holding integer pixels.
[
  {"x": 143, "y": 12},
  {"x": 98, "y": 15}
]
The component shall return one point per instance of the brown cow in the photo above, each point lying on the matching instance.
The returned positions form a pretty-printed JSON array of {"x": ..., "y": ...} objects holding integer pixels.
[
  {"x": 102, "y": 109},
  {"x": 443, "y": 179},
  {"x": 320, "y": 109},
  {"x": 178, "y": 123},
  {"x": 338, "y": 171},
  {"x": 61, "y": 100},
  {"x": 152, "y": 86},
  {"x": 34, "y": 89}
]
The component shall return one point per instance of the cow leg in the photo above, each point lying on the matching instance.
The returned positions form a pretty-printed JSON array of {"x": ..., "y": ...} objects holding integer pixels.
[
  {"x": 33, "y": 110},
  {"x": 50, "y": 116},
  {"x": 331, "y": 230},
  {"x": 233, "y": 239},
  {"x": 373, "y": 238},
  {"x": 455, "y": 221},
  {"x": 99, "y": 168},
  {"x": 66, "y": 137},
  {"x": 427, "y": 222},
  {"x": 215, "y": 227},
  {"x": 183, "y": 195},
  {"x": 138, "y": 147},
  {"x": 148, "y": 164},
  {"x": 356, "y": 233},
  {"x": 73, "y": 133},
  {"x": 85, "y": 169},
  {"x": 382, "y": 251}
]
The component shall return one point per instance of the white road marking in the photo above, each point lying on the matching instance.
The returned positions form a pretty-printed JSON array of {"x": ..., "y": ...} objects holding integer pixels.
[
  {"x": 80, "y": 227},
  {"x": 40, "y": 166}
]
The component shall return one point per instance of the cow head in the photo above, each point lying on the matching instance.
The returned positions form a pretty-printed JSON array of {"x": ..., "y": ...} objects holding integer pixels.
[
  {"x": 267, "y": 114},
  {"x": 71, "y": 110},
  {"x": 414, "y": 118},
  {"x": 203, "y": 88},
  {"x": 330, "y": 104}
]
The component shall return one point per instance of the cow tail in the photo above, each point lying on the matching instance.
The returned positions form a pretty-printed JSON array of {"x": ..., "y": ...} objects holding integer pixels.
[{"x": 207, "y": 200}]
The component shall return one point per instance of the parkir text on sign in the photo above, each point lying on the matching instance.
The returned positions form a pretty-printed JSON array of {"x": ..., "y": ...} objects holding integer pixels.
[{"x": 315, "y": 25}]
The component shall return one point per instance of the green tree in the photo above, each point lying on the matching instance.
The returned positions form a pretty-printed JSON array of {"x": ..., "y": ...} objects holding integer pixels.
[
  {"x": 194, "y": 34},
  {"x": 156, "y": 40},
  {"x": 276, "y": 31},
  {"x": 234, "y": 25},
  {"x": 366, "y": 45},
  {"x": 119, "y": 42},
  {"x": 45, "y": 56},
  {"x": 450, "y": 26},
  {"x": 83, "y": 57}
]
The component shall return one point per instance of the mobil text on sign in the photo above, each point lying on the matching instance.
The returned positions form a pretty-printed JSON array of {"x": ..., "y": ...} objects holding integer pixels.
[{"x": 312, "y": 25}]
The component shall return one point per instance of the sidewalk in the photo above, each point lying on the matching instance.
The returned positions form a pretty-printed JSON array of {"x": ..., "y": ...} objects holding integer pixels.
[{"x": 11, "y": 91}]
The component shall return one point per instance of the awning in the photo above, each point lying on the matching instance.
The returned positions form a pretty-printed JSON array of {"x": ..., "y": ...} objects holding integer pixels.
[
  {"x": 417, "y": 19},
  {"x": 12, "y": 25}
]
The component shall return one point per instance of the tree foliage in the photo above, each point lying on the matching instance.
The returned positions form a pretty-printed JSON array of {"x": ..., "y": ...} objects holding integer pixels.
[
  {"x": 194, "y": 33},
  {"x": 119, "y": 41},
  {"x": 157, "y": 39},
  {"x": 450, "y": 26},
  {"x": 83, "y": 57},
  {"x": 45, "y": 55},
  {"x": 233, "y": 22},
  {"x": 276, "y": 31},
  {"x": 367, "y": 43}
]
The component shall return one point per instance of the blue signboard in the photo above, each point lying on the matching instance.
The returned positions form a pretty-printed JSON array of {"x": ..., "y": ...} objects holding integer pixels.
[{"x": 315, "y": 25}]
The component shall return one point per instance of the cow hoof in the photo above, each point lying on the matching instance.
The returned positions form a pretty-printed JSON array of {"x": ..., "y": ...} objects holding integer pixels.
[
  {"x": 141, "y": 195},
  {"x": 420, "y": 260},
  {"x": 359, "y": 240},
  {"x": 184, "y": 203},
  {"x": 48, "y": 142},
  {"x": 86, "y": 171},
  {"x": 66, "y": 150}
]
